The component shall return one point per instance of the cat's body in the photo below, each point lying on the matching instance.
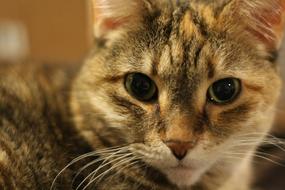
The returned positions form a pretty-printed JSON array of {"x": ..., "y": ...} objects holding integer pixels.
[
  {"x": 176, "y": 95},
  {"x": 37, "y": 136}
]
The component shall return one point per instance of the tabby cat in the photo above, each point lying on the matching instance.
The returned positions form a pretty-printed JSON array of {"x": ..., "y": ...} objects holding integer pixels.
[{"x": 174, "y": 95}]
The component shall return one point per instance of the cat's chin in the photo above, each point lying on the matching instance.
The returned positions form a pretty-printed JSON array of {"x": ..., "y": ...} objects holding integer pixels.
[{"x": 182, "y": 176}]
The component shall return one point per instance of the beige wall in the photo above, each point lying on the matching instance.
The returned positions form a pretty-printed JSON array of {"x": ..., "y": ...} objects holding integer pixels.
[{"x": 58, "y": 30}]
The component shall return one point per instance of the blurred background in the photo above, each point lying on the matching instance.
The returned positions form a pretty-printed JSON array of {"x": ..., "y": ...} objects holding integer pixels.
[
  {"x": 60, "y": 32},
  {"x": 45, "y": 30}
]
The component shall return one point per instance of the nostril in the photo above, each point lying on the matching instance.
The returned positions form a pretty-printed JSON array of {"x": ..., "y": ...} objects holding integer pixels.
[
  {"x": 179, "y": 149},
  {"x": 179, "y": 154}
]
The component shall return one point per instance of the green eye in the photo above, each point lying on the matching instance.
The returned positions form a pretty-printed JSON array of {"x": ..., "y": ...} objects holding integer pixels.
[
  {"x": 224, "y": 91},
  {"x": 141, "y": 87}
]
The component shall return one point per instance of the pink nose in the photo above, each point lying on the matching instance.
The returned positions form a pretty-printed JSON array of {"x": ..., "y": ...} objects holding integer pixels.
[{"x": 178, "y": 148}]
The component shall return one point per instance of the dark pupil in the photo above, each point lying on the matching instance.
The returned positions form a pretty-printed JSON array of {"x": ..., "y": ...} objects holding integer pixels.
[
  {"x": 141, "y": 85},
  {"x": 224, "y": 89}
]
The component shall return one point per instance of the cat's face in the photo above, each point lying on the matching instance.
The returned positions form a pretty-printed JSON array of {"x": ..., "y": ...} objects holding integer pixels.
[{"x": 186, "y": 87}]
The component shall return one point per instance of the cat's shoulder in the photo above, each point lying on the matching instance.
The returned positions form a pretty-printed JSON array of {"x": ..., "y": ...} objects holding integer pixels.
[
  {"x": 33, "y": 104},
  {"x": 31, "y": 80}
]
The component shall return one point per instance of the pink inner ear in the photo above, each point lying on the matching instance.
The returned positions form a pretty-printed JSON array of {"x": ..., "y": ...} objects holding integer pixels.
[
  {"x": 271, "y": 25},
  {"x": 112, "y": 24}
]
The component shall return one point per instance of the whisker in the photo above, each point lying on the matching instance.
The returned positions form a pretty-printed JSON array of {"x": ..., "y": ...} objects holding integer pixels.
[
  {"x": 234, "y": 159},
  {"x": 121, "y": 169},
  {"x": 252, "y": 139},
  {"x": 85, "y": 167},
  {"x": 269, "y": 155},
  {"x": 105, "y": 172},
  {"x": 276, "y": 143},
  {"x": 117, "y": 151},
  {"x": 120, "y": 158},
  {"x": 81, "y": 157},
  {"x": 270, "y": 160},
  {"x": 100, "y": 167},
  {"x": 259, "y": 156},
  {"x": 103, "y": 164}
]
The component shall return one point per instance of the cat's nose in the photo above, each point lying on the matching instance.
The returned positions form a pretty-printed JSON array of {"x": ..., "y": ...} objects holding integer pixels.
[{"x": 179, "y": 149}]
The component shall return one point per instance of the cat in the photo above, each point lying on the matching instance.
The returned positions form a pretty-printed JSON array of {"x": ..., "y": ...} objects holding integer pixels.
[{"x": 174, "y": 95}]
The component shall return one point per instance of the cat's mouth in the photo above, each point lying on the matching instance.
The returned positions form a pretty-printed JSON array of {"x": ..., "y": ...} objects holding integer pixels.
[
  {"x": 182, "y": 175},
  {"x": 181, "y": 168}
]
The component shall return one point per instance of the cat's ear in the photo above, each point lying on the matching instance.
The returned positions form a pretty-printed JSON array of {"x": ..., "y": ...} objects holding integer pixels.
[
  {"x": 112, "y": 16},
  {"x": 264, "y": 19}
]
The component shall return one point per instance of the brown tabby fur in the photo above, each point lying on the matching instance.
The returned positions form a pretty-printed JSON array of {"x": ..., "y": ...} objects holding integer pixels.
[{"x": 184, "y": 46}]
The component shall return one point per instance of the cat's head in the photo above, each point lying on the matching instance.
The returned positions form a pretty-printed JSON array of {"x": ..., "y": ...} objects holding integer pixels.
[{"x": 184, "y": 83}]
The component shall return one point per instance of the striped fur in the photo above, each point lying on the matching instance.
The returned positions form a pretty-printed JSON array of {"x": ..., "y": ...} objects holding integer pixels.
[
  {"x": 37, "y": 137},
  {"x": 183, "y": 46}
]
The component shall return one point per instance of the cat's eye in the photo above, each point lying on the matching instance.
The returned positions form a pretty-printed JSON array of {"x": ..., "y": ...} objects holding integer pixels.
[
  {"x": 224, "y": 91},
  {"x": 141, "y": 87}
]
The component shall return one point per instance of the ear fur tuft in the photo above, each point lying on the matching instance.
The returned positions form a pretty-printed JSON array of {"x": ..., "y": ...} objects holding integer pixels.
[
  {"x": 266, "y": 19},
  {"x": 112, "y": 15}
]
